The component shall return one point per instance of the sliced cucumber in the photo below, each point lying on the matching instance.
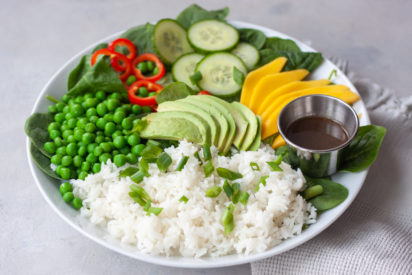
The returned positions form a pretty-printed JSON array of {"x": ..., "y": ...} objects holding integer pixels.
[
  {"x": 217, "y": 74},
  {"x": 170, "y": 40},
  {"x": 212, "y": 36},
  {"x": 248, "y": 53},
  {"x": 185, "y": 66}
]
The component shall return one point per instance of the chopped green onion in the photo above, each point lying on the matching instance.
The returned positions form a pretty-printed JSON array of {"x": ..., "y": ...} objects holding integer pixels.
[
  {"x": 228, "y": 174},
  {"x": 144, "y": 165},
  {"x": 196, "y": 77},
  {"x": 255, "y": 166},
  {"x": 154, "y": 210},
  {"x": 137, "y": 198},
  {"x": 128, "y": 172},
  {"x": 198, "y": 158},
  {"x": 151, "y": 151},
  {"x": 164, "y": 161},
  {"x": 154, "y": 143},
  {"x": 228, "y": 189},
  {"x": 182, "y": 163},
  {"x": 312, "y": 192},
  {"x": 262, "y": 181},
  {"x": 213, "y": 192},
  {"x": 227, "y": 219},
  {"x": 140, "y": 190},
  {"x": 183, "y": 199},
  {"x": 207, "y": 155},
  {"x": 333, "y": 72},
  {"x": 208, "y": 168},
  {"x": 238, "y": 76},
  {"x": 244, "y": 197},
  {"x": 52, "y": 99},
  {"x": 236, "y": 193},
  {"x": 147, "y": 205},
  {"x": 274, "y": 165},
  {"x": 138, "y": 176}
]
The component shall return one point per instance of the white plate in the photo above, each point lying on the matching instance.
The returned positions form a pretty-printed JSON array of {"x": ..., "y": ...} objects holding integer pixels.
[{"x": 49, "y": 188}]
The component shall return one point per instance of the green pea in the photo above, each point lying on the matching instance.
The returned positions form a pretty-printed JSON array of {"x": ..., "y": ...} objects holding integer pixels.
[
  {"x": 91, "y": 158},
  {"x": 77, "y": 203},
  {"x": 130, "y": 80},
  {"x": 143, "y": 92},
  {"x": 90, "y": 127},
  {"x": 50, "y": 147},
  {"x": 61, "y": 150},
  {"x": 97, "y": 151},
  {"x": 91, "y": 147},
  {"x": 150, "y": 66},
  {"x": 65, "y": 173},
  {"x": 54, "y": 134},
  {"x": 77, "y": 161},
  {"x": 136, "y": 121},
  {"x": 104, "y": 157},
  {"x": 137, "y": 149},
  {"x": 119, "y": 142},
  {"x": 101, "y": 109},
  {"x": 117, "y": 133},
  {"x": 59, "y": 170},
  {"x": 125, "y": 132},
  {"x": 53, "y": 126},
  {"x": 127, "y": 123},
  {"x": 58, "y": 141},
  {"x": 68, "y": 116},
  {"x": 71, "y": 149},
  {"x": 108, "y": 117},
  {"x": 71, "y": 101},
  {"x": 78, "y": 134},
  {"x": 96, "y": 167},
  {"x": 100, "y": 123},
  {"x": 71, "y": 139},
  {"x": 67, "y": 161},
  {"x": 85, "y": 166},
  {"x": 132, "y": 158},
  {"x": 81, "y": 122},
  {"x": 152, "y": 94},
  {"x": 155, "y": 71},
  {"x": 65, "y": 187},
  {"x": 66, "y": 109},
  {"x": 142, "y": 66},
  {"x": 147, "y": 109},
  {"x": 72, "y": 123},
  {"x": 124, "y": 150},
  {"x": 56, "y": 159},
  {"x": 112, "y": 104},
  {"x": 136, "y": 109},
  {"x": 59, "y": 117},
  {"x": 91, "y": 112},
  {"x": 76, "y": 110},
  {"x": 119, "y": 160},
  {"x": 115, "y": 152},
  {"x": 60, "y": 106},
  {"x": 133, "y": 139},
  {"x": 100, "y": 133},
  {"x": 83, "y": 175},
  {"x": 106, "y": 146},
  {"x": 79, "y": 99},
  {"x": 118, "y": 117},
  {"x": 68, "y": 197},
  {"x": 64, "y": 127},
  {"x": 109, "y": 128},
  {"x": 99, "y": 139},
  {"x": 91, "y": 102},
  {"x": 116, "y": 96},
  {"x": 101, "y": 95},
  {"x": 88, "y": 138},
  {"x": 93, "y": 119},
  {"x": 52, "y": 109}
]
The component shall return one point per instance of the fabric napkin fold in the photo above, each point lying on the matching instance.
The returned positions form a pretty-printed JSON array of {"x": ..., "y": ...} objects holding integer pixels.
[{"x": 374, "y": 235}]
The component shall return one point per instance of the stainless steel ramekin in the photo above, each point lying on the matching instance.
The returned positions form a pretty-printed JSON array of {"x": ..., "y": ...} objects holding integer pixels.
[{"x": 318, "y": 163}]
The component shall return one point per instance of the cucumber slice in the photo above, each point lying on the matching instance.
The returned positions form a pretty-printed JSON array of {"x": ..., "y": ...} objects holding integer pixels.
[
  {"x": 217, "y": 74},
  {"x": 170, "y": 40},
  {"x": 248, "y": 53},
  {"x": 212, "y": 36},
  {"x": 185, "y": 66}
]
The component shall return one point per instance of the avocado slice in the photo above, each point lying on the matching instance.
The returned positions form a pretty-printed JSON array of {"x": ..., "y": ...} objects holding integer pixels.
[
  {"x": 217, "y": 116},
  {"x": 176, "y": 125},
  {"x": 220, "y": 105},
  {"x": 240, "y": 122},
  {"x": 190, "y": 108},
  {"x": 252, "y": 128},
  {"x": 256, "y": 142}
]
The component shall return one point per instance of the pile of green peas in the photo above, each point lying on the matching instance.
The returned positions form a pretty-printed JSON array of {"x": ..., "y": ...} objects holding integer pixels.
[
  {"x": 89, "y": 130},
  {"x": 66, "y": 191}
]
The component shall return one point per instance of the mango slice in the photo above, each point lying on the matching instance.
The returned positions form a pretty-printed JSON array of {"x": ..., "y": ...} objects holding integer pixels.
[
  {"x": 273, "y": 81},
  {"x": 269, "y": 118},
  {"x": 278, "y": 142},
  {"x": 288, "y": 88},
  {"x": 254, "y": 76}
]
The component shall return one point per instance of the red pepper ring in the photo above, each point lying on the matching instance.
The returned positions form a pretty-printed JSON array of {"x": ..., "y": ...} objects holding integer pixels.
[
  {"x": 123, "y": 42},
  {"x": 143, "y": 101},
  {"x": 148, "y": 57},
  {"x": 115, "y": 57}
]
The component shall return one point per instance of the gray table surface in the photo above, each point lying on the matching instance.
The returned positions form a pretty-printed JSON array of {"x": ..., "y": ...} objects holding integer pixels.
[{"x": 37, "y": 37}]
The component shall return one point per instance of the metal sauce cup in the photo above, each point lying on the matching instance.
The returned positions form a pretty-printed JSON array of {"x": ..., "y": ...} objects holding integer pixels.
[{"x": 318, "y": 163}]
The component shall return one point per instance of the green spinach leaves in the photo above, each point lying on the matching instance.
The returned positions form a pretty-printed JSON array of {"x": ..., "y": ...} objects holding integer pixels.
[
  {"x": 36, "y": 129},
  {"x": 195, "y": 13}
]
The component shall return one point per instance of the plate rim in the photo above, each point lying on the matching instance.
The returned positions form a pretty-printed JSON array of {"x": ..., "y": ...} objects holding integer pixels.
[{"x": 197, "y": 263}]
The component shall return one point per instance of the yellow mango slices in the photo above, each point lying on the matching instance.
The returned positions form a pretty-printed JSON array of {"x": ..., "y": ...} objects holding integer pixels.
[
  {"x": 288, "y": 88},
  {"x": 273, "y": 81},
  {"x": 253, "y": 77},
  {"x": 278, "y": 142}
]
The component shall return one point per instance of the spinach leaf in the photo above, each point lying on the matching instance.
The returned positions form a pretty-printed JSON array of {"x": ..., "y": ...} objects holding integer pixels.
[
  {"x": 99, "y": 47},
  {"x": 42, "y": 162},
  {"x": 36, "y": 129},
  {"x": 278, "y": 44},
  {"x": 362, "y": 151},
  {"x": 81, "y": 69},
  {"x": 174, "y": 91},
  {"x": 288, "y": 156},
  {"x": 296, "y": 60},
  {"x": 333, "y": 193},
  {"x": 142, "y": 37},
  {"x": 95, "y": 78},
  {"x": 195, "y": 13},
  {"x": 252, "y": 36}
]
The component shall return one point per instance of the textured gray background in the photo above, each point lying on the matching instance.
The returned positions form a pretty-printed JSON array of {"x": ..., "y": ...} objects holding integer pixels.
[{"x": 37, "y": 37}]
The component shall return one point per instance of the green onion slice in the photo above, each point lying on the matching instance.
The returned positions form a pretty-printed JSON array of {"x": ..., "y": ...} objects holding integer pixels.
[
  {"x": 128, "y": 172},
  {"x": 183, "y": 199},
  {"x": 182, "y": 163},
  {"x": 228, "y": 189},
  {"x": 244, "y": 197},
  {"x": 208, "y": 168},
  {"x": 228, "y": 174},
  {"x": 255, "y": 166},
  {"x": 213, "y": 192},
  {"x": 164, "y": 161}
]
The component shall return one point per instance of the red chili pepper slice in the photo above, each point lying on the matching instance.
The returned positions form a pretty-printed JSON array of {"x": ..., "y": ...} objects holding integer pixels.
[
  {"x": 123, "y": 42},
  {"x": 143, "y": 101},
  {"x": 148, "y": 57},
  {"x": 123, "y": 66},
  {"x": 203, "y": 92}
]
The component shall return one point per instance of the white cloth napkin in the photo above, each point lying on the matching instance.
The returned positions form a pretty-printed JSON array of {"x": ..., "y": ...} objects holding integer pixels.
[{"x": 374, "y": 236}]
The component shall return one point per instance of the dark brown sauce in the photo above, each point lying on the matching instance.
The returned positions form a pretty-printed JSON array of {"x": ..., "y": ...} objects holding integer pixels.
[{"x": 317, "y": 133}]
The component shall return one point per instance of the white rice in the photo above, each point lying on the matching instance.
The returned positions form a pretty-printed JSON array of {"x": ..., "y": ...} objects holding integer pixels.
[{"x": 193, "y": 229}]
